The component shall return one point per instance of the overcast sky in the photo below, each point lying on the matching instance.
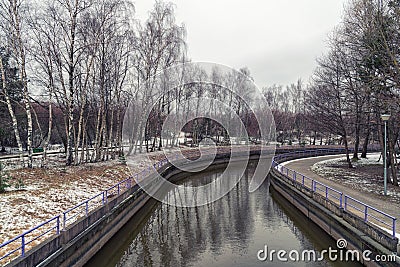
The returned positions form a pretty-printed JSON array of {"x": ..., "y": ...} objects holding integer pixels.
[{"x": 278, "y": 40}]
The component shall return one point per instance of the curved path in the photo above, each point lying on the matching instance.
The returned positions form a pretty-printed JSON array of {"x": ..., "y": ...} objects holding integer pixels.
[{"x": 385, "y": 204}]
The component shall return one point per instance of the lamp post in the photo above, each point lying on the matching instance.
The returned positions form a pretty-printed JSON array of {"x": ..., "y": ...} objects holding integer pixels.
[{"x": 385, "y": 118}]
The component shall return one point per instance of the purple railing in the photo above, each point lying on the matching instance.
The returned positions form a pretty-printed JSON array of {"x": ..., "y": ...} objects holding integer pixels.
[
  {"x": 71, "y": 215},
  {"x": 23, "y": 240},
  {"x": 349, "y": 204}
]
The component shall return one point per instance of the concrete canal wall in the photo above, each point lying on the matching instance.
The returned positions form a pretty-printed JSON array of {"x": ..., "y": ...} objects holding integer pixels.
[
  {"x": 78, "y": 242},
  {"x": 336, "y": 222}
]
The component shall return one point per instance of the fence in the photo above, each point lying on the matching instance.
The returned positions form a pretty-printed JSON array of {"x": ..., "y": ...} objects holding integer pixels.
[
  {"x": 18, "y": 245},
  {"x": 345, "y": 202},
  {"x": 27, "y": 239}
]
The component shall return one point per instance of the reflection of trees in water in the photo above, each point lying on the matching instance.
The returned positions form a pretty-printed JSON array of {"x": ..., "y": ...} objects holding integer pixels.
[{"x": 175, "y": 236}]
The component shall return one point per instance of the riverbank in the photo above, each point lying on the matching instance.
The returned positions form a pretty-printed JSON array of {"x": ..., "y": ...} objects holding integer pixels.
[{"x": 354, "y": 182}]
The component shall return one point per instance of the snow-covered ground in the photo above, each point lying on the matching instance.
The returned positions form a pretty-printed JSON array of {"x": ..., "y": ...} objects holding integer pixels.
[
  {"x": 367, "y": 174},
  {"x": 49, "y": 192}
]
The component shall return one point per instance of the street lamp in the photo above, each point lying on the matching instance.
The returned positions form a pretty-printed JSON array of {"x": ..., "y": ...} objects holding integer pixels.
[{"x": 385, "y": 118}]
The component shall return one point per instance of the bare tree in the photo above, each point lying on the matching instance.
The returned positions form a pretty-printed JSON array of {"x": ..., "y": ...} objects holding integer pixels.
[{"x": 12, "y": 14}]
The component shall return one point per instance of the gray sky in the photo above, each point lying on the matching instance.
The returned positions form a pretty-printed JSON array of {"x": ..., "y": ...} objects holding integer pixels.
[{"x": 278, "y": 40}]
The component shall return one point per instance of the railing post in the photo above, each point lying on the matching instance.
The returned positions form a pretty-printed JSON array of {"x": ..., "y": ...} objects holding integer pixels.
[
  {"x": 58, "y": 224},
  {"x": 345, "y": 202},
  {"x": 87, "y": 207},
  {"x": 366, "y": 213},
  {"x": 326, "y": 192},
  {"x": 394, "y": 227},
  {"x": 65, "y": 221},
  {"x": 303, "y": 180},
  {"x": 341, "y": 200},
  {"x": 294, "y": 176},
  {"x": 118, "y": 188},
  {"x": 23, "y": 246},
  {"x": 103, "y": 193}
]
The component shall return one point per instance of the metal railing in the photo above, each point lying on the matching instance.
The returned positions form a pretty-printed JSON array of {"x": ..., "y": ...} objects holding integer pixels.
[
  {"x": 345, "y": 202},
  {"x": 25, "y": 239},
  {"x": 21, "y": 243}
]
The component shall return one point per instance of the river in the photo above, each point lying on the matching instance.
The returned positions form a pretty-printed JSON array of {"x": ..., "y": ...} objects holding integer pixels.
[{"x": 227, "y": 232}]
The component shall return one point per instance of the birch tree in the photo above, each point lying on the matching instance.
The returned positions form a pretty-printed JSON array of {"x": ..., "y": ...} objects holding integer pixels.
[
  {"x": 6, "y": 93},
  {"x": 12, "y": 14}
]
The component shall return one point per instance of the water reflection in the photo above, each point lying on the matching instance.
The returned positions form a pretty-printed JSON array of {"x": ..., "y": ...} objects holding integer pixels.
[{"x": 228, "y": 232}]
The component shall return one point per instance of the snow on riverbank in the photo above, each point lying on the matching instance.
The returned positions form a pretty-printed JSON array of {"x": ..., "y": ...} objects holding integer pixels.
[
  {"x": 51, "y": 191},
  {"x": 367, "y": 174}
]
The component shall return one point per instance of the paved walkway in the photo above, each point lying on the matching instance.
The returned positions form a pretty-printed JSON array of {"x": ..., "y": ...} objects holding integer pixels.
[{"x": 385, "y": 204}]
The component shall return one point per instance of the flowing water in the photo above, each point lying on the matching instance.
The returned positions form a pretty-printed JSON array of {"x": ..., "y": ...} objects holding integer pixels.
[{"x": 228, "y": 232}]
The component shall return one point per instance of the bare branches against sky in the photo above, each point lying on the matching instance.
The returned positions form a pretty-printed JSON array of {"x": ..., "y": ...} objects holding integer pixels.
[{"x": 278, "y": 40}]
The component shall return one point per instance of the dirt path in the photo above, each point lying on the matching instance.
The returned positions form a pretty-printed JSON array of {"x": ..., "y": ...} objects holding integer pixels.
[{"x": 386, "y": 204}]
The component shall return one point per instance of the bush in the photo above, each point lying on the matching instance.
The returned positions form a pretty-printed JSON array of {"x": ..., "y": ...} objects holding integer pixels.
[
  {"x": 19, "y": 184},
  {"x": 4, "y": 179}
]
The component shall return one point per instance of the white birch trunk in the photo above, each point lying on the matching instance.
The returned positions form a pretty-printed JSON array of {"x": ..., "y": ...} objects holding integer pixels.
[{"x": 11, "y": 111}]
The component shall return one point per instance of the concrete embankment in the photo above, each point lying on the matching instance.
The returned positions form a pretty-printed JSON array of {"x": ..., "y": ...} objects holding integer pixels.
[{"x": 78, "y": 242}]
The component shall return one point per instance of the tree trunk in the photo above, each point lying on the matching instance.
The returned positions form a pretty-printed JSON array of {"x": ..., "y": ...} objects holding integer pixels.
[
  {"x": 111, "y": 143},
  {"x": 346, "y": 146},
  {"x": 365, "y": 145},
  {"x": 46, "y": 143},
  {"x": 11, "y": 112},
  {"x": 392, "y": 156},
  {"x": 71, "y": 74},
  {"x": 98, "y": 134},
  {"x": 356, "y": 143},
  {"x": 19, "y": 50}
]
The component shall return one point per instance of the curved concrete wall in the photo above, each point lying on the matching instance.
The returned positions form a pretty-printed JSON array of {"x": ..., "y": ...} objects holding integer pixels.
[
  {"x": 336, "y": 222},
  {"x": 80, "y": 241}
]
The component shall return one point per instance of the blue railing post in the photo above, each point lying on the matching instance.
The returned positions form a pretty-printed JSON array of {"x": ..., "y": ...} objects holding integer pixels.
[
  {"x": 87, "y": 207},
  {"x": 103, "y": 195},
  {"x": 294, "y": 176},
  {"x": 345, "y": 202},
  {"x": 58, "y": 224},
  {"x": 23, "y": 246},
  {"x": 394, "y": 227},
  {"x": 366, "y": 213},
  {"x": 326, "y": 192},
  {"x": 118, "y": 189},
  {"x": 65, "y": 221},
  {"x": 341, "y": 200},
  {"x": 303, "y": 180}
]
